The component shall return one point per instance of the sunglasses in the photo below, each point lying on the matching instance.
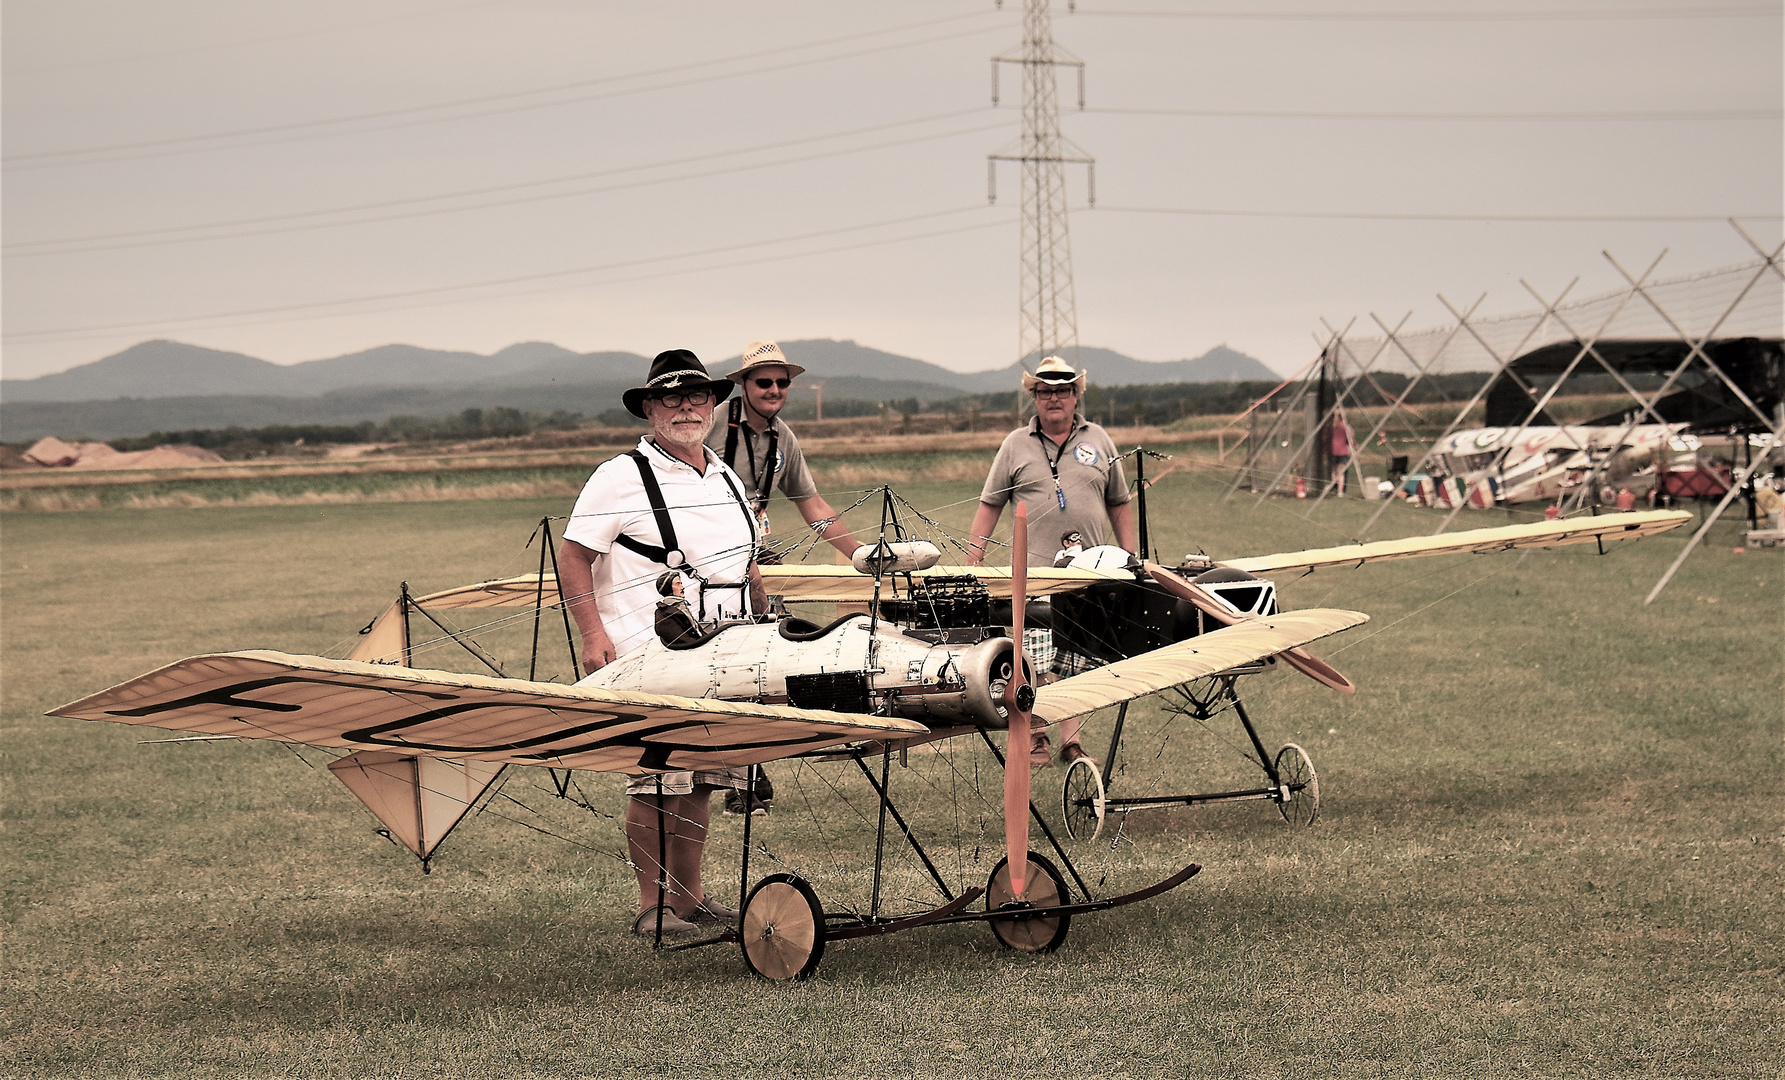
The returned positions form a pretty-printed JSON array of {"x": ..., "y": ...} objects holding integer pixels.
[
  {"x": 764, "y": 384},
  {"x": 676, "y": 401},
  {"x": 1054, "y": 391}
]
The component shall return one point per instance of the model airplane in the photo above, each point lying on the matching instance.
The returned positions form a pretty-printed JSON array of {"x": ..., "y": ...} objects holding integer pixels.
[
  {"x": 424, "y": 745},
  {"x": 1539, "y": 464}
]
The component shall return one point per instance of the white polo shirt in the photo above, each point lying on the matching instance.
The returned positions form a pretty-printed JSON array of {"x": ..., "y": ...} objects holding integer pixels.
[{"x": 713, "y": 526}]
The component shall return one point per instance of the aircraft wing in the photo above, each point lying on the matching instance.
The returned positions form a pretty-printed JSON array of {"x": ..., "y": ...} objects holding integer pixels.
[
  {"x": 1540, "y": 534},
  {"x": 1194, "y": 658},
  {"x": 351, "y": 705},
  {"x": 844, "y": 584}
]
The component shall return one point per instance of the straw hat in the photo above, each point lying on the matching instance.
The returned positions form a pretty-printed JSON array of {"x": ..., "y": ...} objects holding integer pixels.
[
  {"x": 675, "y": 370},
  {"x": 1054, "y": 372},
  {"x": 764, "y": 354}
]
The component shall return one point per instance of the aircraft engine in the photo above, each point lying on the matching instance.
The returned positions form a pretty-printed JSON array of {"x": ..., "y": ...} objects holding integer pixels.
[{"x": 987, "y": 668}]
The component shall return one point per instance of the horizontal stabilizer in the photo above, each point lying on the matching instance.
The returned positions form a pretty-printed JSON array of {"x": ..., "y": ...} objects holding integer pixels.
[
  {"x": 349, "y": 705},
  {"x": 1200, "y": 656}
]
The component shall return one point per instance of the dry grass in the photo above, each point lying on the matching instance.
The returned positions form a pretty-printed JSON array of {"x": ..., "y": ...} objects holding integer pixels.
[{"x": 1550, "y": 842}]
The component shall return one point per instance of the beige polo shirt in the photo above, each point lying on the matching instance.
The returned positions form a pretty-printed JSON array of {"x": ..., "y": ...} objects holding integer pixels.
[{"x": 1090, "y": 480}]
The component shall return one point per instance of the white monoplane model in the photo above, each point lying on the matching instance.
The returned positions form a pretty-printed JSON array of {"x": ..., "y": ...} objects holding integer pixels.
[{"x": 422, "y": 746}]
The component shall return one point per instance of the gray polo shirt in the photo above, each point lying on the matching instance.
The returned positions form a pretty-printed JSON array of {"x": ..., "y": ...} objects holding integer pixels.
[
  {"x": 1090, "y": 479},
  {"x": 752, "y": 453}
]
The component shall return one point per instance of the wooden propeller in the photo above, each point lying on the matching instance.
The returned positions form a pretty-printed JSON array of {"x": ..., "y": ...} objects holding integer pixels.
[{"x": 1019, "y": 697}]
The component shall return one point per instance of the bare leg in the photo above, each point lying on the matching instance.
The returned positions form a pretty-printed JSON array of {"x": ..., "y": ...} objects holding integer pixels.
[
  {"x": 685, "y": 820},
  {"x": 687, "y": 843}
]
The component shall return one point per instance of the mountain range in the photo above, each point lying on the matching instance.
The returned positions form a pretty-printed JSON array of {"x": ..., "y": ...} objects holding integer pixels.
[{"x": 168, "y": 385}]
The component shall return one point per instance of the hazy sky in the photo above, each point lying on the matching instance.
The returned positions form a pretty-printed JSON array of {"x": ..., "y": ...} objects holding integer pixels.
[{"x": 701, "y": 174}]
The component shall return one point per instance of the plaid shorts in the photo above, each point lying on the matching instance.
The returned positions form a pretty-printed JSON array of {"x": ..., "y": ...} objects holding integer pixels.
[{"x": 684, "y": 783}]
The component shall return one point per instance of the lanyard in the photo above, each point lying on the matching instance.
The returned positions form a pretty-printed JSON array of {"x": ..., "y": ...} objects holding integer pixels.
[{"x": 1053, "y": 463}]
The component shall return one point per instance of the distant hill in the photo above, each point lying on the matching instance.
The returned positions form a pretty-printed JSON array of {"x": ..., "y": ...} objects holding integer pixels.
[{"x": 169, "y": 386}]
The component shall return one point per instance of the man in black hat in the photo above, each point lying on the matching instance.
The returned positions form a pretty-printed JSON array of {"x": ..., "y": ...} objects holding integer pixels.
[{"x": 667, "y": 505}]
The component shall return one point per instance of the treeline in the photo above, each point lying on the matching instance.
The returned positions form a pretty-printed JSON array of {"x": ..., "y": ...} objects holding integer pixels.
[
  {"x": 237, "y": 443},
  {"x": 1158, "y": 403}
]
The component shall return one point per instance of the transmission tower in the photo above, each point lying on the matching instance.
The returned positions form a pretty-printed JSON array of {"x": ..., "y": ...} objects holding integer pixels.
[{"x": 1047, "y": 320}]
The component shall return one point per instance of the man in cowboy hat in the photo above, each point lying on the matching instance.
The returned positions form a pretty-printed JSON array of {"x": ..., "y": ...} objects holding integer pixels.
[
  {"x": 1067, "y": 473},
  {"x": 758, "y": 445},
  {"x": 667, "y": 505}
]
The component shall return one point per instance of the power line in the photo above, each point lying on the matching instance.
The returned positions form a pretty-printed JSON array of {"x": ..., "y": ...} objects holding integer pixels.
[
  {"x": 1283, "y": 114},
  {"x": 488, "y": 204},
  {"x": 511, "y": 280},
  {"x": 429, "y": 13},
  {"x": 1370, "y": 216},
  {"x": 297, "y": 130},
  {"x": 1526, "y": 15}
]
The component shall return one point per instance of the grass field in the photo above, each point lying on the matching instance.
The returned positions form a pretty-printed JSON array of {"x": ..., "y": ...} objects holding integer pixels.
[{"x": 1549, "y": 841}]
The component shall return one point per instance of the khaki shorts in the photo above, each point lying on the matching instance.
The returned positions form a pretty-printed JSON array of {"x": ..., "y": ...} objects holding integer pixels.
[{"x": 684, "y": 783}]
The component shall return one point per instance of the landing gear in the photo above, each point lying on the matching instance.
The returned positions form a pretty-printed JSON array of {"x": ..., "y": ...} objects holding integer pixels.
[
  {"x": 1045, "y": 889},
  {"x": 783, "y": 929},
  {"x": 1298, "y": 786},
  {"x": 1081, "y": 800}
]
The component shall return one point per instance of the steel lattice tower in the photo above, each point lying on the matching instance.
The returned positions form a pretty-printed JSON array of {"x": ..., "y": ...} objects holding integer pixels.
[{"x": 1047, "y": 320}]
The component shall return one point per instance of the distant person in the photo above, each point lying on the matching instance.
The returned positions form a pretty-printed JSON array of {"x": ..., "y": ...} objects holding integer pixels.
[
  {"x": 668, "y": 506},
  {"x": 1344, "y": 444},
  {"x": 1065, "y": 470},
  {"x": 759, "y": 446}
]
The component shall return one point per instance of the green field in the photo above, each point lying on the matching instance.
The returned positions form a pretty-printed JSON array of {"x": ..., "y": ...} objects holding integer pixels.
[{"x": 1549, "y": 841}]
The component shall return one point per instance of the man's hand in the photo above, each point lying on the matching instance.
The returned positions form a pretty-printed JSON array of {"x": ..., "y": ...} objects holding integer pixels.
[{"x": 597, "y": 650}]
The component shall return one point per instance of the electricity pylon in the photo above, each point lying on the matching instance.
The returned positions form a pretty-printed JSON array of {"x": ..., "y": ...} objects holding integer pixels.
[{"x": 1047, "y": 321}]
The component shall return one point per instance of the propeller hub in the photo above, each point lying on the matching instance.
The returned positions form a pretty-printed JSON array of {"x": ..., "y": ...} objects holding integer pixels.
[{"x": 1025, "y": 697}]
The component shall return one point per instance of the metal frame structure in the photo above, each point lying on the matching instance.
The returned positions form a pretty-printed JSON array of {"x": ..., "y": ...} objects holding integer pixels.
[{"x": 1490, "y": 347}]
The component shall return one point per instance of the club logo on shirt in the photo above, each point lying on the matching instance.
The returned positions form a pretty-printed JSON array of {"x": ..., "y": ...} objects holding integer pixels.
[{"x": 1085, "y": 453}]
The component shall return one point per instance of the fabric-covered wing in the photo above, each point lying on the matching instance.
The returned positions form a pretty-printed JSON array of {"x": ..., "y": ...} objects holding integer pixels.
[
  {"x": 386, "y": 638},
  {"x": 1535, "y": 535},
  {"x": 356, "y": 706},
  {"x": 844, "y": 585},
  {"x": 1205, "y": 654}
]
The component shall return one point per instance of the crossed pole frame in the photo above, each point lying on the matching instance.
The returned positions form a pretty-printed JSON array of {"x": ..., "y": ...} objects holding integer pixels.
[
  {"x": 1419, "y": 373},
  {"x": 1344, "y": 392},
  {"x": 1283, "y": 416}
]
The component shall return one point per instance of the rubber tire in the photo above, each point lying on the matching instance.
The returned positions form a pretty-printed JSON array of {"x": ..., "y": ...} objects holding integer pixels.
[
  {"x": 783, "y": 929},
  {"x": 1296, "y": 768},
  {"x": 1084, "y": 780},
  {"x": 1030, "y": 935}
]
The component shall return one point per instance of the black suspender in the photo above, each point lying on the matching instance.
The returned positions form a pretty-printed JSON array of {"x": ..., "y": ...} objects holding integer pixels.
[
  {"x": 670, "y": 554},
  {"x": 733, "y": 424}
]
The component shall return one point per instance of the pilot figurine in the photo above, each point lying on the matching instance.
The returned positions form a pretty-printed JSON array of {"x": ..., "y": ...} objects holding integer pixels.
[{"x": 675, "y": 619}]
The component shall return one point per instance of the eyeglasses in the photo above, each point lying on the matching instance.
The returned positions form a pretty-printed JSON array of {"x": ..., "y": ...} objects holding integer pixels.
[
  {"x": 764, "y": 384},
  {"x": 676, "y": 401},
  {"x": 1053, "y": 391}
]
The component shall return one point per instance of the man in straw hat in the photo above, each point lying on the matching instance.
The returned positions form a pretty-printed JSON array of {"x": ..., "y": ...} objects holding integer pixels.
[
  {"x": 668, "y": 505},
  {"x": 758, "y": 445},
  {"x": 1067, "y": 472}
]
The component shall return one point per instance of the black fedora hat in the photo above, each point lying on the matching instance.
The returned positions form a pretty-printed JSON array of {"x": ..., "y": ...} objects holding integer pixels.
[{"x": 675, "y": 371}]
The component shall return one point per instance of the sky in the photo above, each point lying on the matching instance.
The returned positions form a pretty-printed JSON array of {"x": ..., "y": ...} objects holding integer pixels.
[{"x": 301, "y": 181}]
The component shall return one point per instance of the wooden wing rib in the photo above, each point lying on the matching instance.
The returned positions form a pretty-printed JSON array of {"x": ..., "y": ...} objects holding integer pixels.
[
  {"x": 845, "y": 585},
  {"x": 350, "y": 705},
  {"x": 1173, "y": 665},
  {"x": 1535, "y": 535}
]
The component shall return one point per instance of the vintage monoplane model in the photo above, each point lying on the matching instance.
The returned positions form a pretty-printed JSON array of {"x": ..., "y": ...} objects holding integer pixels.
[{"x": 926, "y": 661}]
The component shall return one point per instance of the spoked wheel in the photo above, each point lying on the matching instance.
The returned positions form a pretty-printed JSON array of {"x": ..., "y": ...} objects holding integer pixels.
[
  {"x": 1046, "y": 888},
  {"x": 1299, "y": 802},
  {"x": 1081, "y": 802},
  {"x": 783, "y": 929}
]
